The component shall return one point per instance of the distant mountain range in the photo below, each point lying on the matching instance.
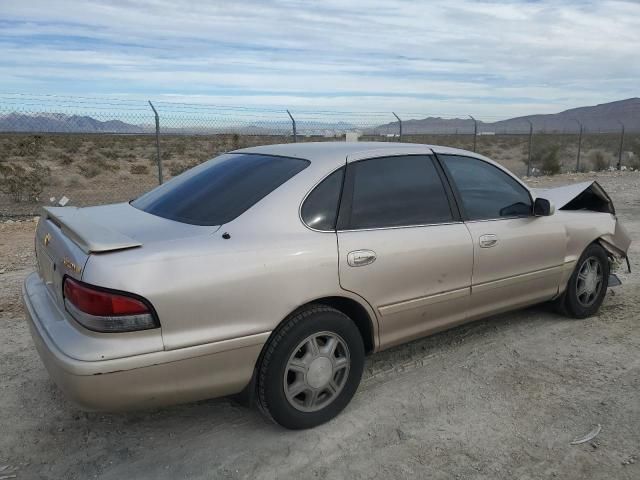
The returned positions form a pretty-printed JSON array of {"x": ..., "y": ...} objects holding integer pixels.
[
  {"x": 605, "y": 117},
  {"x": 61, "y": 123}
]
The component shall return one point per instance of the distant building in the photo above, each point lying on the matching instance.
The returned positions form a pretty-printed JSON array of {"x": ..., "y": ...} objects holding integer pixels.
[{"x": 352, "y": 136}]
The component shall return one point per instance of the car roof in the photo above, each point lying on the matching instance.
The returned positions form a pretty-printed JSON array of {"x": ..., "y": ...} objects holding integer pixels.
[
  {"x": 336, "y": 152},
  {"x": 333, "y": 154}
]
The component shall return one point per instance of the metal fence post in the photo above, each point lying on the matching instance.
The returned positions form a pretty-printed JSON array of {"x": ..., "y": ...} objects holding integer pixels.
[
  {"x": 619, "y": 166},
  {"x": 579, "y": 144},
  {"x": 293, "y": 124},
  {"x": 530, "y": 142},
  {"x": 159, "y": 160},
  {"x": 475, "y": 132},
  {"x": 399, "y": 125}
]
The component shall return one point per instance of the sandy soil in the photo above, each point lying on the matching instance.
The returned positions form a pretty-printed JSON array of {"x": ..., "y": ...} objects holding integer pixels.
[{"x": 499, "y": 398}]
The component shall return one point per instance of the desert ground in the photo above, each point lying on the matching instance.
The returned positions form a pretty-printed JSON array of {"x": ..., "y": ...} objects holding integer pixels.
[{"x": 501, "y": 398}]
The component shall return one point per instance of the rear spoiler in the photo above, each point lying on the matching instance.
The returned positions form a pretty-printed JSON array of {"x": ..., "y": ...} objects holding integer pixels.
[{"x": 89, "y": 236}]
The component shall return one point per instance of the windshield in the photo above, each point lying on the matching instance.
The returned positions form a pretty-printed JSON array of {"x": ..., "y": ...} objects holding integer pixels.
[{"x": 219, "y": 190}]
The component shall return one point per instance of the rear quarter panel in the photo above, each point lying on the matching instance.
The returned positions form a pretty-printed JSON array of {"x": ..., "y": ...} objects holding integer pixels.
[{"x": 207, "y": 288}]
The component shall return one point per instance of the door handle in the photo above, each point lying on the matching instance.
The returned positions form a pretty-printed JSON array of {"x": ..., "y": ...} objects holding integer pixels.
[
  {"x": 360, "y": 258},
  {"x": 488, "y": 240}
]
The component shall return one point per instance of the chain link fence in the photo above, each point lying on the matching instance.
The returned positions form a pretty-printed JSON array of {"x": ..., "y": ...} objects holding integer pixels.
[{"x": 82, "y": 151}]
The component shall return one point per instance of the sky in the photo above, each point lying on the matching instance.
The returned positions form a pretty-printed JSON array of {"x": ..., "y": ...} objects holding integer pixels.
[{"x": 442, "y": 58}]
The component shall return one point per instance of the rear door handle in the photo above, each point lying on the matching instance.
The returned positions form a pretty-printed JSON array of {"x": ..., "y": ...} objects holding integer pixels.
[
  {"x": 488, "y": 240},
  {"x": 359, "y": 258}
]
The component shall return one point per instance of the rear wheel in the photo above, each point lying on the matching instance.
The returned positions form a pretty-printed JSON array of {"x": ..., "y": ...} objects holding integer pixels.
[
  {"x": 311, "y": 368},
  {"x": 588, "y": 284}
]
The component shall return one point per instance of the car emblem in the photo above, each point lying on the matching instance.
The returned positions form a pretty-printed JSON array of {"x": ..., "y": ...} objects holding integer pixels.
[
  {"x": 70, "y": 265},
  {"x": 47, "y": 239}
]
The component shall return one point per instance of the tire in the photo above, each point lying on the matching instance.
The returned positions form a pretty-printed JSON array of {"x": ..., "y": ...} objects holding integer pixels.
[
  {"x": 587, "y": 303},
  {"x": 301, "y": 386}
]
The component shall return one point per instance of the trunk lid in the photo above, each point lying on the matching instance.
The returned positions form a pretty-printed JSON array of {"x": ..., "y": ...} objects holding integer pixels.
[{"x": 67, "y": 236}]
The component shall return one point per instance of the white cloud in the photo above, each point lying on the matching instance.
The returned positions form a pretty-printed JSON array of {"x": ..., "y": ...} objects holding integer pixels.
[{"x": 489, "y": 58}]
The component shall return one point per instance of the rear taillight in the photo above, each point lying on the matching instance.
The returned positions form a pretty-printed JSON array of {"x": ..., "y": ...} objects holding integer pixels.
[{"x": 103, "y": 310}]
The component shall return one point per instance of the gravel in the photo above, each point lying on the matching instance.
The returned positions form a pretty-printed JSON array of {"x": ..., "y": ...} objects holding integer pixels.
[{"x": 499, "y": 398}]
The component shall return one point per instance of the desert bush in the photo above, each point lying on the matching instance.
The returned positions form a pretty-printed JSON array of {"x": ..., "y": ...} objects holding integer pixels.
[
  {"x": 105, "y": 164},
  {"x": 109, "y": 153},
  {"x": 29, "y": 146},
  {"x": 24, "y": 184},
  {"x": 89, "y": 170},
  {"x": 597, "y": 160},
  {"x": 547, "y": 157},
  {"x": 74, "y": 180},
  {"x": 180, "y": 146},
  {"x": 65, "y": 159},
  {"x": 70, "y": 143},
  {"x": 633, "y": 163},
  {"x": 176, "y": 168},
  {"x": 137, "y": 169}
]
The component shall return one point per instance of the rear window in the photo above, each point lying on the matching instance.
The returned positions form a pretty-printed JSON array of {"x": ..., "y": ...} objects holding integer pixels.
[{"x": 219, "y": 190}]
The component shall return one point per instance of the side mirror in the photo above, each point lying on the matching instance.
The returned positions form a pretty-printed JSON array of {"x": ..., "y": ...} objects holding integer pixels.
[{"x": 543, "y": 207}]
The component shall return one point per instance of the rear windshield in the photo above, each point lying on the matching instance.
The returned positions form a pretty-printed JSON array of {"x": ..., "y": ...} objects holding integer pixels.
[{"x": 219, "y": 190}]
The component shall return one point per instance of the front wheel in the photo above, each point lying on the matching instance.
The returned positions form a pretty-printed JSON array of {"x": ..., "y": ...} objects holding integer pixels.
[
  {"x": 311, "y": 368},
  {"x": 588, "y": 284}
]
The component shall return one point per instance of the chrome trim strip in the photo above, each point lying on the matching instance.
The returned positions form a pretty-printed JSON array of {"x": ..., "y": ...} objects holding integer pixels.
[
  {"x": 424, "y": 301},
  {"x": 399, "y": 226},
  {"x": 515, "y": 217},
  {"x": 524, "y": 277}
]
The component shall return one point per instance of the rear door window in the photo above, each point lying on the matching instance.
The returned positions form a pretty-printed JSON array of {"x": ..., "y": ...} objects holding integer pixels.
[
  {"x": 396, "y": 191},
  {"x": 221, "y": 189}
]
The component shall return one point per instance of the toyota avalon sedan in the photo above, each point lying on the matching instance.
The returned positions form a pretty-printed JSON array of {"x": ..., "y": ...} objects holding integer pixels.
[{"x": 275, "y": 270}]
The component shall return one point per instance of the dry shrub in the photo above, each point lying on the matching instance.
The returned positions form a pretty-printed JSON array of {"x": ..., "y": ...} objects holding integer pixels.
[
  {"x": 29, "y": 146},
  {"x": 74, "y": 180},
  {"x": 109, "y": 153},
  {"x": 547, "y": 157},
  {"x": 89, "y": 170},
  {"x": 65, "y": 159},
  {"x": 176, "y": 168},
  {"x": 598, "y": 161},
  {"x": 24, "y": 184},
  {"x": 633, "y": 163},
  {"x": 105, "y": 164},
  {"x": 138, "y": 169}
]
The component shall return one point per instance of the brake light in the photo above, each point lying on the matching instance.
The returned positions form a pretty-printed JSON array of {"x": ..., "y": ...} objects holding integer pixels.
[{"x": 103, "y": 310}]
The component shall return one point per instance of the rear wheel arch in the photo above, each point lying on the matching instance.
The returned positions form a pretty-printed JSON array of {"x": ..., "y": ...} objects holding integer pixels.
[
  {"x": 353, "y": 309},
  {"x": 358, "y": 315}
]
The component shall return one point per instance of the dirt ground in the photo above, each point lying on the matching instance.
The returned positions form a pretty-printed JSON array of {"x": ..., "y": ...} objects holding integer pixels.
[{"x": 499, "y": 398}]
